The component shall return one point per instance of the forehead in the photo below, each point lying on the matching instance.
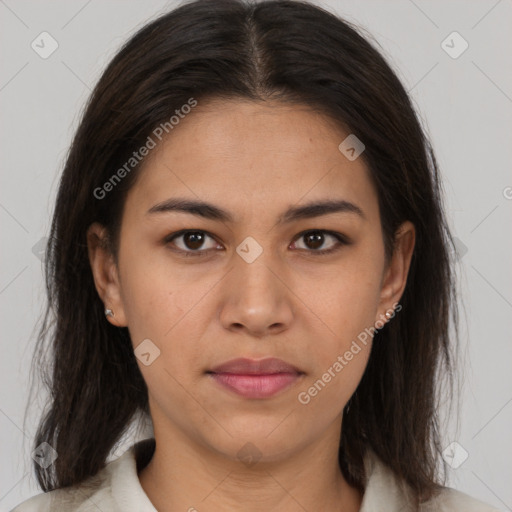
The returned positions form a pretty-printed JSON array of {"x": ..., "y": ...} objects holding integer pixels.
[{"x": 253, "y": 158}]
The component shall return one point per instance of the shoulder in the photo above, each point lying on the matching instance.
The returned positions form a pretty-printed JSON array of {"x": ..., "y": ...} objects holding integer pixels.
[
  {"x": 93, "y": 493},
  {"x": 384, "y": 492},
  {"x": 451, "y": 500},
  {"x": 65, "y": 500},
  {"x": 115, "y": 488}
]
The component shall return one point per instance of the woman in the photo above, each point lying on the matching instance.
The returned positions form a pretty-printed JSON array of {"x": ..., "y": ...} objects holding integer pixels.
[{"x": 242, "y": 250}]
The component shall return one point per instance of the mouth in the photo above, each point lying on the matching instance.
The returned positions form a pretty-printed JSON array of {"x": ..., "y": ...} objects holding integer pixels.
[{"x": 255, "y": 379}]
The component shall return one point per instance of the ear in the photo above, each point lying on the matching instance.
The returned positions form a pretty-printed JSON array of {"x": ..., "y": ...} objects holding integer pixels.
[
  {"x": 395, "y": 275},
  {"x": 105, "y": 273}
]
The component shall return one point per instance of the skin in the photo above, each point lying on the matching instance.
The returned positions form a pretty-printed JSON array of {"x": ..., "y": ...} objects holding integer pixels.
[{"x": 254, "y": 160}]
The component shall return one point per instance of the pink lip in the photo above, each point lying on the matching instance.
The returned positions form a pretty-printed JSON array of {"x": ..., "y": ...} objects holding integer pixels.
[{"x": 256, "y": 379}]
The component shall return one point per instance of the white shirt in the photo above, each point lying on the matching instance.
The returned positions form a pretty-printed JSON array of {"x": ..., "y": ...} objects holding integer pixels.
[{"x": 116, "y": 488}]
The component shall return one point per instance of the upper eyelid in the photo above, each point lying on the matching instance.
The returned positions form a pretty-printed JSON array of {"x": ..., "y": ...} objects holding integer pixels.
[{"x": 182, "y": 232}]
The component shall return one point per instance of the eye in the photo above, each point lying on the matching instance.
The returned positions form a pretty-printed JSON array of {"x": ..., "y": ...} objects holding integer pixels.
[
  {"x": 192, "y": 242},
  {"x": 316, "y": 238}
]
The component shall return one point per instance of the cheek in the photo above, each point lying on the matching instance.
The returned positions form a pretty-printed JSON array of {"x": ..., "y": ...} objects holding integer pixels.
[
  {"x": 164, "y": 305},
  {"x": 347, "y": 301},
  {"x": 150, "y": 288},
  {"x": 347, "y": 310},
  {"x": 346, "y": 306}
]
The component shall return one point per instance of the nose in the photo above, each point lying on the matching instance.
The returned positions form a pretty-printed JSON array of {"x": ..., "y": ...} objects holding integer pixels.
[{"x": 256, "y": 298}]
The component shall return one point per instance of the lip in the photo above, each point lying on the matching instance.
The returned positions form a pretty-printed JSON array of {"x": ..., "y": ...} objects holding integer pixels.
[
  {"x": 256, "y": 378},
  {"x": 265, "y": 366}
]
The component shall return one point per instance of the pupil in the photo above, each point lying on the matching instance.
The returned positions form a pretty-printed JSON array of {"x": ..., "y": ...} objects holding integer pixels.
[
  {"x": 194, "y": 240},
  {"x": 317, "y": 239}
]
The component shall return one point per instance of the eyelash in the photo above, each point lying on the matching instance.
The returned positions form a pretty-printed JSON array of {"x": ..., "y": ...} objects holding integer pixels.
[{"x": 342, "y": 240}]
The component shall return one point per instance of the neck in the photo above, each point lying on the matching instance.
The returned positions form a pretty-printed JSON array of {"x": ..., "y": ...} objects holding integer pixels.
[{"x": 184, "y": 475}]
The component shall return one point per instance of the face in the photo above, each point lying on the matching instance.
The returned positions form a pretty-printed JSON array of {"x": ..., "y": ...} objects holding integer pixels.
[{"x": 255, "y": 284}]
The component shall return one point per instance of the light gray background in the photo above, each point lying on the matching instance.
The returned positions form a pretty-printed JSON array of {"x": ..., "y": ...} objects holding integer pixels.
[{"x": 465, "y": 103}]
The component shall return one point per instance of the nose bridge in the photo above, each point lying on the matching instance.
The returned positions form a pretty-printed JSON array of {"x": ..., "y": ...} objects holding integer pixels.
[
  {"x": 253, "y": 264},
  {"x": 256, "y": 298}
]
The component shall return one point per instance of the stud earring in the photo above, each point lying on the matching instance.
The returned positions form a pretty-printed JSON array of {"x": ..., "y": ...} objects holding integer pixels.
[{"x": 109, "y": 312}]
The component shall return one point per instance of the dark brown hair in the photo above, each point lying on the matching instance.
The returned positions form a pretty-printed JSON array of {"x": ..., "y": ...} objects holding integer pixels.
[{"x": 285, "y": 50}]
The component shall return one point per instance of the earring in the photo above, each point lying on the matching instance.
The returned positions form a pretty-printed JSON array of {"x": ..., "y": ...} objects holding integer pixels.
[
  {"x": 109, "y": 312},
  {"x": 388, "y": 315}
]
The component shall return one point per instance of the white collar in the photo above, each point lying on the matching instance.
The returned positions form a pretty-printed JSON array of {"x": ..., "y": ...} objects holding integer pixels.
[
  {"x": 382, "y": 491},
  {"x": 127, "y": 491}
]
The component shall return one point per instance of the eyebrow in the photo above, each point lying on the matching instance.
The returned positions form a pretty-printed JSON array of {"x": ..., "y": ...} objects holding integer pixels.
[{"x": 210, "y": 211}]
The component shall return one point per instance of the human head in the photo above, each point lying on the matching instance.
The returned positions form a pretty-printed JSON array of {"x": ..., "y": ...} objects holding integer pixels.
[{"x": 294, "y": 54}]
